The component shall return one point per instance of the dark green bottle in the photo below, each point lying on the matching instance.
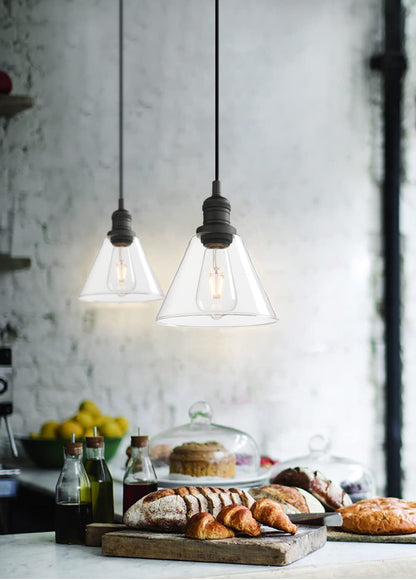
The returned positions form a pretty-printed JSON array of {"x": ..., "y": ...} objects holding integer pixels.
[
  {"x": 72, "y": 498},
  {"x": 101, "y": 481}
]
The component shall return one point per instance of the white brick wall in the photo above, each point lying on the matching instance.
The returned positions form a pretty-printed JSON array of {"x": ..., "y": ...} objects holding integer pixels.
[{"x": 300, "y": 163}]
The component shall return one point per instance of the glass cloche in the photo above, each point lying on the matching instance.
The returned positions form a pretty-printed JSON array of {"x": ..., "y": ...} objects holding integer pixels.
[
  {"x": 354, "y": 478},
  {"x": 202, "y": 453}
]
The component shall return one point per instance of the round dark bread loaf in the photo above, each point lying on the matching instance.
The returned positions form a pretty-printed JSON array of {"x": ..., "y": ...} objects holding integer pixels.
[{"x": 330, "y": 494}]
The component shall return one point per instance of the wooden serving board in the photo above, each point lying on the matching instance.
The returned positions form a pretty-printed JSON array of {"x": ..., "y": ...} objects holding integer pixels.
[
  {"x": 335, "y": 535},
  {"x": 273, "y": 548}
]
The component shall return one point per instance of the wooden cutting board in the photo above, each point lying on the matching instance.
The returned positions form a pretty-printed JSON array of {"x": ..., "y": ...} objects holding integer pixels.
[
  {"x": 335, "y": 535},
  {"x": 273, "y": 548}
]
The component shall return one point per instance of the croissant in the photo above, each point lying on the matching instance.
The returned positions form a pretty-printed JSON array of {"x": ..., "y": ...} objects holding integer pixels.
[
  {"x": 239, "y": 518},
  {"x": 270, "y": 513},
  {"x": 203, "y": 526}
]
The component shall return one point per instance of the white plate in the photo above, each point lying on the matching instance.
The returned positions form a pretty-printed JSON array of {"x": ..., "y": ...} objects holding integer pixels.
[{"x": 249, "y": 481}]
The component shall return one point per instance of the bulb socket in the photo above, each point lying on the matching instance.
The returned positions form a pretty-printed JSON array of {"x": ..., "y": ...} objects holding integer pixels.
[
  {"x": 216, "y": 231},
  {"x": 121, "y": 233}
]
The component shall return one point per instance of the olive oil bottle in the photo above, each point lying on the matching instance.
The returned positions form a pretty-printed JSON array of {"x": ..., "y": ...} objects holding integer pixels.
[
  {"x": 73, "y": 510},
  {"x": 102, "y": 495}
]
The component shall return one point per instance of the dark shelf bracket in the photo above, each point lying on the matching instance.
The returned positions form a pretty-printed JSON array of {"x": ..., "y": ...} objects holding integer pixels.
[{"x": 8, "y": 263}]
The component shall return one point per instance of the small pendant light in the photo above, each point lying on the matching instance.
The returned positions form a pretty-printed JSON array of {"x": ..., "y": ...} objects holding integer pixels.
[
  {"x": 121, "y": 271},
  {"x": 216, "y": 284}
]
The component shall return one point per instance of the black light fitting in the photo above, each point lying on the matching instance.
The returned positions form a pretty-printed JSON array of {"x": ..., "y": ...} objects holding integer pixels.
[{"x": 216, "y": 231}]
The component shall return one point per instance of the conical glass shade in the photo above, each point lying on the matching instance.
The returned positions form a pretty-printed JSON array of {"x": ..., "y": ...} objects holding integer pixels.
[
  {"x": 216, "y": 288},
  {"x": 121, "y": 274}
]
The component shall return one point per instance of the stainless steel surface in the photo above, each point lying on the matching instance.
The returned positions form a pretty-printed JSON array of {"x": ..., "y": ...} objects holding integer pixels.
[
  {"x": 332, "y": 519},
  {"x": 11, "y": 437}
]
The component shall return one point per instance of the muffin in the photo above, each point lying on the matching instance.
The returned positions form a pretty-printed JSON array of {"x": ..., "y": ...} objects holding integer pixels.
[{"x": 202, "y": 460}]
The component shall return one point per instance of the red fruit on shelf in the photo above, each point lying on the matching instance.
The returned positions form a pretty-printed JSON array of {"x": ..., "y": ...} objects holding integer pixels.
[{"x": 6, "y": 84}]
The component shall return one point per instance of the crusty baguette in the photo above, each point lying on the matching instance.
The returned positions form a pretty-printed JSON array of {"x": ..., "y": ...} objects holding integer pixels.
[
  {"x": 270, "y": 513},
  {"x": 293, "y": 500},
  {"x": 204, "y": 526},
  {"x": 168, "y": 510},
  {"x": 239, "y": 518}
]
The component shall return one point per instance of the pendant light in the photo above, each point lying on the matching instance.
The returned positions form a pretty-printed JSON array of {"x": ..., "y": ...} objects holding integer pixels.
[
  {"x": 121, "y": 271},
  {"x": 216, "y": 284}
]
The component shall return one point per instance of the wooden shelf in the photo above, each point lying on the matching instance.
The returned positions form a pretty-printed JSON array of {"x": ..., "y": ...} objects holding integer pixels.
[
  {"x": 8, "y": 263},
  {"x": 11, "y": 105}
]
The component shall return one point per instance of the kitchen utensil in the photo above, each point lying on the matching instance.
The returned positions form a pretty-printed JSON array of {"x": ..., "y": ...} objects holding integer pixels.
[{"x": 333, "y": 519}]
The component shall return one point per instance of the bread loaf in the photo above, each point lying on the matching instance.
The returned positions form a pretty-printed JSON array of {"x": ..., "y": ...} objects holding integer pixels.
[
  {"x": 330, "y": 494},
  {"x": 270, "y": 513},
  {"x": 380, "y": 515},
  {"x": 239, "y": 518},
  {"x": 204, "y": 526},
  {"x": 293, "y": 500},
  {"x": 168, "y": 510}
]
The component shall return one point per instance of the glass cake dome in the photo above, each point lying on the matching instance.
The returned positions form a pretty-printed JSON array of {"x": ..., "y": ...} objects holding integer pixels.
[
  {"x": 354, "y": 478},
  {"x": 203, "y": 453}
]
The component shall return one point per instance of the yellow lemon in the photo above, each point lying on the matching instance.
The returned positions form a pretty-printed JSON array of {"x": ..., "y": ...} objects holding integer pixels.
[
  {"x": 124, "y": 424},
  {"x": 49, "y": 429},
  {"x": 34, "y": 435},
  {"x": 90, "y": 407},
  {"x": 111, "y": 429},
  {"x": 67, "y": 428},
  {"x": 85, "y": 419},
  {"x": 101, "y": 420},
  {"x": 89, "y": 432}
]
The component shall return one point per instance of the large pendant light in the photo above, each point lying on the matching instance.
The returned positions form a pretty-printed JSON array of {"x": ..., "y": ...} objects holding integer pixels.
[
  {"x": 216, "y": 283},
  {"x": 121, "y": 271}
]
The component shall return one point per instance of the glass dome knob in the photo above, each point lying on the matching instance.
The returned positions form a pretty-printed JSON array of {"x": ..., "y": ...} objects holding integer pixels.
[
  {"x": 200, "y": 413},
  {"x": 319, "y": 444}
]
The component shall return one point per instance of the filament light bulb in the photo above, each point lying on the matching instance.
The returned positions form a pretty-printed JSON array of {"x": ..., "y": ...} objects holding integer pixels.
[
  {"x": 216, "y": 293},
  {"x": 120, "y": 277}
]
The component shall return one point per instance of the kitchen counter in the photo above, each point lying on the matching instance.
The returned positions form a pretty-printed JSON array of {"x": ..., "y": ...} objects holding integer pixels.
[
  {"x": 38, "y": 556},
  {"x": 44, "y": 481}
]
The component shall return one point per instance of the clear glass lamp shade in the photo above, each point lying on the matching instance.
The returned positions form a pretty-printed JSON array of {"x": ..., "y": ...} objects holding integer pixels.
[
  {"x": 121, "y": 274},
  {"x": 216, "y": 288}
]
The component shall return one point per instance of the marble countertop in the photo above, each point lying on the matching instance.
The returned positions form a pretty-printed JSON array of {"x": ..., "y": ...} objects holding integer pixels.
[{"x": 38, "y": 556}]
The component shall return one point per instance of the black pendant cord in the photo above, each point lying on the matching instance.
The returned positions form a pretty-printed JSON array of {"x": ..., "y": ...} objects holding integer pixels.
[
  {"x": 121, "y": 233},
  {"x": 120, "y": 106},
  {"x": 216, "y": 91}
]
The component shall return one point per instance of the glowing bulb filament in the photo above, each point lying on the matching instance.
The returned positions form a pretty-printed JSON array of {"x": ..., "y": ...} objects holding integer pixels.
[
  {"x": 121, "y": 277},
  {"x": 121, "y": 271},
  {"x": 216, "y": 282}
]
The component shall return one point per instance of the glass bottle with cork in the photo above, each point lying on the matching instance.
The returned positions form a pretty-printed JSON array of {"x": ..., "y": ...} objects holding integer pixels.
[
  {"x": 140, "y": 477},
  {"x": 73, "y": 509},
  {"x": 102, "y": 495}
]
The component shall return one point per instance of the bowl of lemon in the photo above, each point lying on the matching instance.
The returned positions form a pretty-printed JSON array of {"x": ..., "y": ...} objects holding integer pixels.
[{"x": 46, "y": 447}]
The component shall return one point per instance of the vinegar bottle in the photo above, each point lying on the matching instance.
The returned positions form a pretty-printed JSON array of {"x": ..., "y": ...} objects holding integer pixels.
[
  {"x": 100, "y": 479},
  {"x": 72, "y": 498},
  {"x": 140, "y": 477}
]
